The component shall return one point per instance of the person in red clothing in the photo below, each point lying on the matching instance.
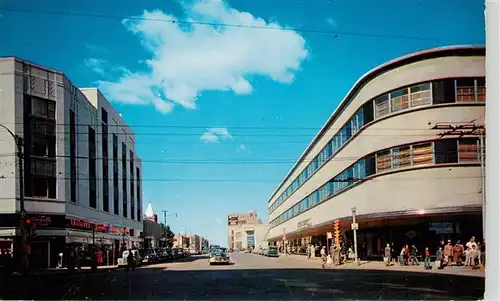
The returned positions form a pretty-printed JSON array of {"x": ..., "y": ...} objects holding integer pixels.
[
  {"x": 100, "y": 259},
  {"x": 427, "y": 259}
]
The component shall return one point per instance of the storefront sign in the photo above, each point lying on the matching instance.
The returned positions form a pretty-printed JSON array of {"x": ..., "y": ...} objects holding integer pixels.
[
  {"x": 304, "y": 224},
  {"x": 41, "y": 221},
  {"x": 103, "y": 228},
  {"x": 79, "y": 224},
  {"x": 441, "y": 228}
]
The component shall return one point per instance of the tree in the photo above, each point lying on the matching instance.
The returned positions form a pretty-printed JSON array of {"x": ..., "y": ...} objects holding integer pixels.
[{"x": 167, "y": 235}]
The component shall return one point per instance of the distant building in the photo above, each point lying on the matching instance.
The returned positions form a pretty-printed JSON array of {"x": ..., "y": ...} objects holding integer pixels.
[
  {"x": 235, "y": 221},
  {"x": 152, "y": 230},
  {"x": 250, "y": 236}
]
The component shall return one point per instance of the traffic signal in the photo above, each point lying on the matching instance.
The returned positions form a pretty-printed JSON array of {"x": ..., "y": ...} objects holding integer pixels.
[
  {"x": 29, "y": 227},
  {"x": 336, "y": 232}
]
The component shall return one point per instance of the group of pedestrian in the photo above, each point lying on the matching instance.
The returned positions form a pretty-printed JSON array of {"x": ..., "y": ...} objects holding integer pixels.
[{"x": 448, "y": 255}]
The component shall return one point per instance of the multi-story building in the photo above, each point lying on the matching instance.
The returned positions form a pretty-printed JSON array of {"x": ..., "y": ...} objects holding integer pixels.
[
  {"x": 235, "y": 221},
  {"x": 378, "y": 154},
  {"x": 82, "y": 176},
  {"x": 250, "y": 237}
]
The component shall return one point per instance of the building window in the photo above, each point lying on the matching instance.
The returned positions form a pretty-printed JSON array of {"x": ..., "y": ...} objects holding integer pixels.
[
  {"x": 422, "y": 154},
  {"x": 445, "y": 151},
  {"x": 43, "y": 108},
  {"x": 481, "y": 90},
  {"x": 105, "y": 162},
  {"x": 399, "y": 100},
  {"x": 92, "y": 169},
  {"x": 384, "y": 161},
  {"x": 401, "y": 157},
  {"x": 420, "y": 95},
  {"x": 357, "y": 121},
  {"x": 139, "y": 198},
  {"x": 382, "y": 106},
  {"x": 124, "y": 179},
  {"x": 468, "y": 150},
  {"x": 132, "y": 186},
  {"x": 72, "y": 155},
  {"x": 466, "y": 91},
  {"x": 116, "y": 189}
]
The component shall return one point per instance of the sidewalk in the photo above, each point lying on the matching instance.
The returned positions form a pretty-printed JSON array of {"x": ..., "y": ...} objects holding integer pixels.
[
  {"x": 53, "y": 271},
  {"x": 379, "y": 265}
]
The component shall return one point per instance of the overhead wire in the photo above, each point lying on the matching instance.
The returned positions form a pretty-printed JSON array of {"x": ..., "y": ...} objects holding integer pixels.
[
  {"x": 212, "y": 161},
  {"x": 273, "y": 27}
]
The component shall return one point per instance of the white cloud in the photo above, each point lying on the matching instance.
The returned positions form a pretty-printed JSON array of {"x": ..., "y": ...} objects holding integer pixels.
[
  {"x": 214, "y": 135},
  {"x": 332, "y": 22},
  {"x": 96, "y": 65},
  {"x": 241, "y": 148},
  {"x": 185, "y": 60}
]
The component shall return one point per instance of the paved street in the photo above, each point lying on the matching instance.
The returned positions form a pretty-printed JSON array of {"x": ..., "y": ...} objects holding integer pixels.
[{"x": 250, "y": 277}]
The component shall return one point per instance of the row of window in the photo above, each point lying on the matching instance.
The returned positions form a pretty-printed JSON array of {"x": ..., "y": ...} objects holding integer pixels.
[
  {"x": 40, "y": 153},
  {"x": 435, "y": 92},
  {"x": 436, "y": 152}
]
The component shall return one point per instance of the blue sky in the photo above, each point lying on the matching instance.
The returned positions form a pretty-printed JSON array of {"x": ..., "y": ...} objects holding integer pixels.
[{"x": 227, "y": 93}]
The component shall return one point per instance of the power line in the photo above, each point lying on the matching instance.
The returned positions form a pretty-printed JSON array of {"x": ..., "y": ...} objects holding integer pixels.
[
  {"x": 213, "y": 24},
  {"x": 194, "y": 180},
  {"x": 212, "y": 161},
  {"x": 208, "y": 127}
]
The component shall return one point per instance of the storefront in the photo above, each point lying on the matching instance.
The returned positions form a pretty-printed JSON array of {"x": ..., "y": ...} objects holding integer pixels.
[{"x": 52, "y": 236}]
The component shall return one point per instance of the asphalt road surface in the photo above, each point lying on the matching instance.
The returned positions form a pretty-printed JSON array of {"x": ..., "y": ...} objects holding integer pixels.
[{"x": 250, "y": 277}]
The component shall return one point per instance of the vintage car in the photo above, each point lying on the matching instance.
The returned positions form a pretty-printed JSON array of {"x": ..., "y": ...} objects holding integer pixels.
[{"x": 217, "y": 256}]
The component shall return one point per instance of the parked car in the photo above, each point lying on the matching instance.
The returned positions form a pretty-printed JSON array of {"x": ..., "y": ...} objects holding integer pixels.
[
  {"x": 177, "y": 253},
  {"x": 137, "y": 257},
  {"x": 151, "y": 256}
]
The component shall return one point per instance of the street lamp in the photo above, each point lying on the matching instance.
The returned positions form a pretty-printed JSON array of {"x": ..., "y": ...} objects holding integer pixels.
[
  {"x": 165, "y": 214},
  {"x": 19, "y": 143}
]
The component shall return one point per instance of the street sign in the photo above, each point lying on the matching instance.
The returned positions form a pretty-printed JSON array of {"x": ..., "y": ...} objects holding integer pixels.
[
  {"x": 329, "y": 235},
  {"x": 354, "y": 226}
]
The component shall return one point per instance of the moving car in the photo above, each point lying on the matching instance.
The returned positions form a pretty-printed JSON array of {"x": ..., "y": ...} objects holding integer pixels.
[
  {"x": 218, "y": 257},
  {"x": 271, "y": 252}
]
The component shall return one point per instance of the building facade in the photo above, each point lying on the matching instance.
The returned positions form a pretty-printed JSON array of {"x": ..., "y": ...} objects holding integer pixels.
[
  {"x": 82, "y": 176},
  {"x": 235, "y": 221},
  {"x": 250, "y": 237},
  {"x": 378, "y": 154}
]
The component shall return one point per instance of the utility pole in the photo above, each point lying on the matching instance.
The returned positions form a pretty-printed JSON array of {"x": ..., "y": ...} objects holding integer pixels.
[
  {"x": 22, "y": 222},
  {"x": 354, "y": 228},
  {"x": 469, "y": 129}
]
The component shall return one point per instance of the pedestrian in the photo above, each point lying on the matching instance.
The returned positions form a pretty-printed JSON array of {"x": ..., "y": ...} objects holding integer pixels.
[
  {"x": 448, "y": 253},
  {"x": 479, "y": 253},
  {"x": 427, "y": 259},
  {"x": 308, "y": 250},
  {"x": 439, "y": 258},
  {"x": 387, "y": 255},
  {"x": 467, "y": 256},
  {"x": 457, "y": 254},
  {"x": 130, "y": 261},
  {"x": 323, "y": 256},
  {"x": 473, "y": 255}
]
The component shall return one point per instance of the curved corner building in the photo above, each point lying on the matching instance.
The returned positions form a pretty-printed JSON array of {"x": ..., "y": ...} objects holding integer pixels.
[{"x": 379, "y": 154}]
